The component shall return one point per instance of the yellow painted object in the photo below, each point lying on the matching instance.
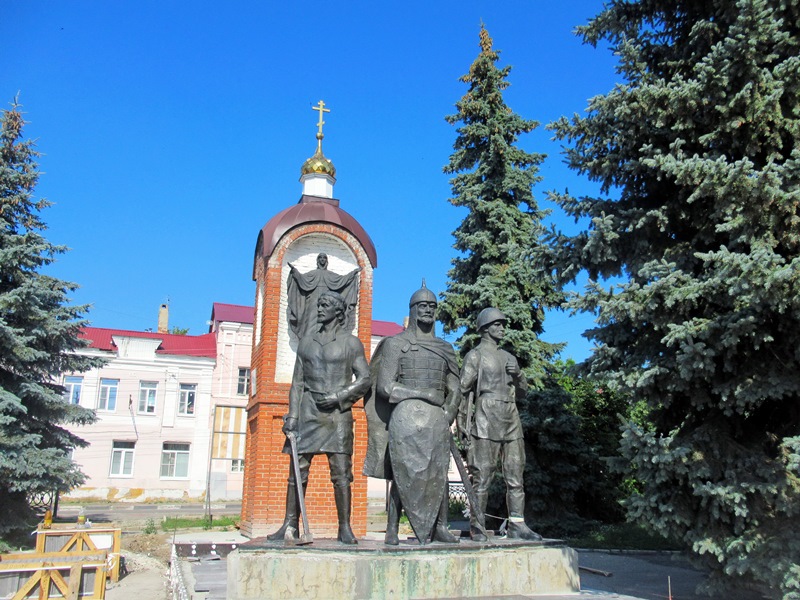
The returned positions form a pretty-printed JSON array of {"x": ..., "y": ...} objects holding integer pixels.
[
  {"x": 69, "y": 575},
  {"x": 69, "y": 538}
]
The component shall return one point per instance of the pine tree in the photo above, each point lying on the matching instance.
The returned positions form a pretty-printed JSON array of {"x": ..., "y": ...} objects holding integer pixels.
[
  {"x": 698, "y": 157},
  {"x": 493, "y": 181},
  {"x": 38, "y": 332}
]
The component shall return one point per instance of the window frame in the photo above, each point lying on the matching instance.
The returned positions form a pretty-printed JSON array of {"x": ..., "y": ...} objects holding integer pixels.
[
  {"x": 123, "y": 452},
  {"x": 243, "y": 382},
  {"x": 186, "y": 390},
  {"x": 70, "y": 387},
  {"x": 106, "y": 385},
  {"x": 240, "y": 463},
  {"x": 145, "y": 406},
  {"x": 172, "y": 464}
]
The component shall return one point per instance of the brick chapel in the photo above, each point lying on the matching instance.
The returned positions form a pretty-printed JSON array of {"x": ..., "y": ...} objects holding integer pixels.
[{"x": 297, "y": 235}]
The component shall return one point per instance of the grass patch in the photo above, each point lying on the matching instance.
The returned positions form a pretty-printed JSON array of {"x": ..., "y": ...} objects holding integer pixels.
[
  {"x": 223, "y": 521},
  {"x": 623, "y": 536}
]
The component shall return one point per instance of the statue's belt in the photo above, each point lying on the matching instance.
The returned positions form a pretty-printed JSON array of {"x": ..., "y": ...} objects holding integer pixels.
[{"x": 497, "y": 397}]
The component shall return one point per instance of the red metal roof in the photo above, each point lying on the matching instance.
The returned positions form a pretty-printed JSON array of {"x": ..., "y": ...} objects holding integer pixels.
[
  {"x": 385, "y": 328},
  {"x": 235, "y": 313},
  {"x": 182, "y": 345}
]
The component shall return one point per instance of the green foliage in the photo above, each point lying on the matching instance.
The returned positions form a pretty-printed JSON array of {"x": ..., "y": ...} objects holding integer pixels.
[
  {"x": 171, "y": 523},
  {"x": 493, "y": 181},
  {"x": 600, "y": 410},
  {"x": 179, "y": 330},
  {"x": 38, "y": 334},
  {"x": 456, "y": 508},
  {"x": 698, "y": 156},
  {"x": 150, "y": 527}
]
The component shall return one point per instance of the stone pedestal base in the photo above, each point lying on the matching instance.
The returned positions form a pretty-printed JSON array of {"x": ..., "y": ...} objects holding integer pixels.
[{"x": 327, "y": 569}]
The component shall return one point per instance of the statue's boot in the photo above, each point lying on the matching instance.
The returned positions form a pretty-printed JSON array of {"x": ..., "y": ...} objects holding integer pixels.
[
  {"x": 393, "y": 519},
  {"x": 517, "y": 529},
  {"x": 343, "y": 497},
  {"x": 520, "y": 531},
  {"x": 290, "y": 526},
  {"x": 440, "y": 532},
  {"x": 478, "y": 526}
]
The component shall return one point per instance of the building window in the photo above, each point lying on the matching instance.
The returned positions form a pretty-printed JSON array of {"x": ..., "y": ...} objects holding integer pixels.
[
  {"x": 122, "y": 459},
  {"x": 237, "y": 465},
  {"x": 108, "y": 394},
  {"x": 72, "y": 393},
  {"x": 175, "y": 460},
  {"x": 243, "y": 385},
  {"x": 186, "y": 399},
  {"x": 147, "y": 396}
]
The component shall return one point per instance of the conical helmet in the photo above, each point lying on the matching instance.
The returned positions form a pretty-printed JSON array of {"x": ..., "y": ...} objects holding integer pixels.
[
  {"x": 423, "y": 294},
  {"x": 488, "y": 316}
]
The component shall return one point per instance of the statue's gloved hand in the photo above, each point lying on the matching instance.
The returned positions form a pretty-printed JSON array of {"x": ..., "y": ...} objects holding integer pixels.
[
  {"x": 327, "y": 401},
  {"x": 289, "y": 425}
]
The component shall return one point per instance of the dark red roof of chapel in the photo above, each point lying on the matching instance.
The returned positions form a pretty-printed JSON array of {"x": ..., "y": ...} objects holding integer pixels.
[{"x": 312, "y": 209}]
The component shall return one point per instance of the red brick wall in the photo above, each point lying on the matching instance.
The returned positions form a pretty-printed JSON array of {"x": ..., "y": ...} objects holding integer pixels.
[{"x": 266, "y": 467}]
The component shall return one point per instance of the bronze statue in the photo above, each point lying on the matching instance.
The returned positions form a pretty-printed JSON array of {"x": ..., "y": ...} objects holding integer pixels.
[
  {"x": 489, "y": 423},
  {"x": 330, "y": 375},
  {"x": 416, "y": 398},
  {"x": 304, "y": 289}
]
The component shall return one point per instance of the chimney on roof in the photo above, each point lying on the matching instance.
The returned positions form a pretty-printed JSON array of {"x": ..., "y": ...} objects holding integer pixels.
[{"x": 163, "y": 319}]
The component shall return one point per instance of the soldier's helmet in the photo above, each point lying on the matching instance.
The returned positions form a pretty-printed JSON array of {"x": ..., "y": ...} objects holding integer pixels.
[
  {"x": 488, "y": 316},
  {"x": 423, "y": 294}
]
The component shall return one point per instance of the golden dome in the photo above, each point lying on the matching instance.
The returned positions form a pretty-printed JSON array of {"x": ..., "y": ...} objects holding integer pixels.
[{"x": 318, "y": 163}]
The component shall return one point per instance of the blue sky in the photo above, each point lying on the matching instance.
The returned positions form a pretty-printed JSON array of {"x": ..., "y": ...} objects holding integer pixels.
[{"x": 172, "y": 132}]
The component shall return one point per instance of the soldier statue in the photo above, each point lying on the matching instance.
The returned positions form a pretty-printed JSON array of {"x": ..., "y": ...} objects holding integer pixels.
[
  {"x": 488, "y": 422},
  {"x": 330, "y": 375},
  {"x": 416, "y": 398}
]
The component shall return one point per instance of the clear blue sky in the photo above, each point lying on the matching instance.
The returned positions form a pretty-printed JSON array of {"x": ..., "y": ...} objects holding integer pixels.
[{"x": 173, "y": 131}]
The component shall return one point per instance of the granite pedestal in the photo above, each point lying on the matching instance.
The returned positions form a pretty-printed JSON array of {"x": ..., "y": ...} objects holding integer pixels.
[{"x": 326, "y": 569}]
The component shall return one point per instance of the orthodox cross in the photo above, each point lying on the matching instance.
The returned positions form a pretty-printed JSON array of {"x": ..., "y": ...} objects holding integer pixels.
[{"x": 321, "y": 108}]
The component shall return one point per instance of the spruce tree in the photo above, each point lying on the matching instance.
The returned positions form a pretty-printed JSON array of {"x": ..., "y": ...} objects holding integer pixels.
[
  {"x": 38, "y": 334},
  {"x": 493, "y": 180},
  {"x": 697, "y": 153}
]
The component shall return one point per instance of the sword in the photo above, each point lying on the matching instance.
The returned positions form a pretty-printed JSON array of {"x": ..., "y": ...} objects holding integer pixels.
[
  {"x": 473, "y": 500},
  {"x": 306, "y": 538}
]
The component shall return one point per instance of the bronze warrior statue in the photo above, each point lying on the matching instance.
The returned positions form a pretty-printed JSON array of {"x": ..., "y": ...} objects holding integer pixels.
[
  {"x": 416, "y": 398},
  {"x": 330, "y": 375},
  {"x": 489, "y": 423}
]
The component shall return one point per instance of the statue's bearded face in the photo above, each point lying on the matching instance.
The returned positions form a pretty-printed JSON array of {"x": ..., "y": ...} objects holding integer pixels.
[{"x": 426, "y": 312}]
